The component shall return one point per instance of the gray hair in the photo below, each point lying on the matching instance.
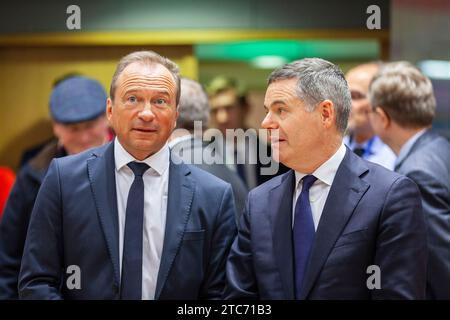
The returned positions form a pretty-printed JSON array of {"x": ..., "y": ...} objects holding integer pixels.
[
  {"x": 145, "y": 57},
  {"x": 193, "y": 106},
  {"x": 404, "y": 93},
  {"x": 318, "y": 80}
]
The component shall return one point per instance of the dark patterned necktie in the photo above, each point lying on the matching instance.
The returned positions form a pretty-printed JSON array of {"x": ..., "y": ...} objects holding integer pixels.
[{"x": 131, "y": 281}]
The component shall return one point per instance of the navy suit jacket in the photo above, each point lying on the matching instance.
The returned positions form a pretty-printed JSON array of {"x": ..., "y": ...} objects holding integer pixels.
[
  {"x": 428, "y": 164},
  {"x": 372, "y": 216},
  {"x": 75, "y": 222}
]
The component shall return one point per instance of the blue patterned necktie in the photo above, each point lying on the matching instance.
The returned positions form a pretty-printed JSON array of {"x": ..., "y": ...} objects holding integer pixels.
[
  {"x": 303, "y": 233},
  {"x": 131, "y": 281}
]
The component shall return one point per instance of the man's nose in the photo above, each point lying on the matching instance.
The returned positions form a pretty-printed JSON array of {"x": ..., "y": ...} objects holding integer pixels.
[
  {"x": 146, "y": 113},
  {"x": 268, "y": 122}
]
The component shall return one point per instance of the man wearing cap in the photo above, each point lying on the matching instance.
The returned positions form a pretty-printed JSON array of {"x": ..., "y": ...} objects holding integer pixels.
[
  {"x": 77, "y": 108},
  {"x": 131, "y": 217}
]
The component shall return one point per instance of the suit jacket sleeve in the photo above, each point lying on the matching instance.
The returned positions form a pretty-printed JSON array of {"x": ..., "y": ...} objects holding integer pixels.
[
  {"x": 41, "y": 271},
  {"x": 436, "y": 209},
  {"x": 241, "y": 281},
  {"x": 222, "y": 237},
  {"x": 402, "y": 235},
  {"x": 13, "y": 230}
]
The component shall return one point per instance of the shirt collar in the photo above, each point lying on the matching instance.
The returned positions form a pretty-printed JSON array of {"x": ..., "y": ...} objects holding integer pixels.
[
  {"x": 327, "y": 171},
  {"x": 404, "y": 150},
  {"x": 158, "y": 161}
]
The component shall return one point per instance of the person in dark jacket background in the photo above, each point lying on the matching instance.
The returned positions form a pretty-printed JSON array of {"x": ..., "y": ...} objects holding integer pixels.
[
  {"x": 77, "y": 108},
  {"x": 194, "y": 107},
  {"x": 403, "y": 110}
]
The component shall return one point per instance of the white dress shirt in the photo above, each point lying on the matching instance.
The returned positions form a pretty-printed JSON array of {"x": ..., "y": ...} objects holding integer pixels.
[
  {"x": 318, "y": 193},
  {"x": 156, "y": 184}
]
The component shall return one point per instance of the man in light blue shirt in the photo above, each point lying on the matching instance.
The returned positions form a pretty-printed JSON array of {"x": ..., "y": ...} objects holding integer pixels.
[{"x": 360, "y": 136}]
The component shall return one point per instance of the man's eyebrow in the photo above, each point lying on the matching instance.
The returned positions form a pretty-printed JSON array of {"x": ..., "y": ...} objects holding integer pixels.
[
  {"x": 158, "y": 91},
  {"x": 276, "y": 102},
  {"x": 130, "y": 91}
]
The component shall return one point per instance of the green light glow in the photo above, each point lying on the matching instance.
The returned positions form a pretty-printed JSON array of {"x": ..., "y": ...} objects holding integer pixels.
[{"x": 289, "y": 49}]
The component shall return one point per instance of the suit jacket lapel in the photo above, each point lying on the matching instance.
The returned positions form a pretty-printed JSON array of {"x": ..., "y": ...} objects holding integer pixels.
[
  {"x": 345, "y": 193},
  {"x": 281, "y": 218},
  {"x": 181, "y": 193},
  {"x": 101, "y": 172}
]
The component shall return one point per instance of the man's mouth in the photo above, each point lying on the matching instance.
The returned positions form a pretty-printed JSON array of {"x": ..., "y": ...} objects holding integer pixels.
[
  {"x": 276, "y": 140},
  {"x": 144, "y": 130}
]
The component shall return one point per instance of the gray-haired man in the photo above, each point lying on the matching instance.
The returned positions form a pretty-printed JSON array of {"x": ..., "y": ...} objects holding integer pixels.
[
  {"x": 194, "y": 107},
  {"x": 335, "y": 226}
]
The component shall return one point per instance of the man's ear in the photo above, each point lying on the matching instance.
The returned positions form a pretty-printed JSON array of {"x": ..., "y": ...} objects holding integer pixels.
[
  {"x": 327, "y": 113},
  {"x": 109, "y": 111},
  {"x": 56, "y": 129}
]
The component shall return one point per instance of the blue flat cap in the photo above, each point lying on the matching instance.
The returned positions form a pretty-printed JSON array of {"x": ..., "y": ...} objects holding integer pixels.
[{"x": 77, "y": 99}]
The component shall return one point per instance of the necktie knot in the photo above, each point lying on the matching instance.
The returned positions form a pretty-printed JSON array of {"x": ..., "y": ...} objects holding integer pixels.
[
  {"x": 138, "y": 168},
  {"x": 308, "y": 182}
]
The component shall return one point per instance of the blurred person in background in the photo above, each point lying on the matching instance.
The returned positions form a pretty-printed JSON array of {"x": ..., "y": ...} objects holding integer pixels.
[
  {"x": 229, "y": 110},
  {"x": 194, "y": 106},
  {"x": 403, "y": 110},
  {"x": 77, "y": 108},
  {"x": 361, "y": 137}
]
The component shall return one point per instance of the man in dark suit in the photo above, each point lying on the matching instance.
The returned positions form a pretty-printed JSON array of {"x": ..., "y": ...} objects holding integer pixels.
[
  {"x": 77, "y": 108},
  {"x": 404, "y": 108},
  {"x": 187, "y": 142},
  {"x": 335, "y": 226},
  {"x": 128, "y": 220}
]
